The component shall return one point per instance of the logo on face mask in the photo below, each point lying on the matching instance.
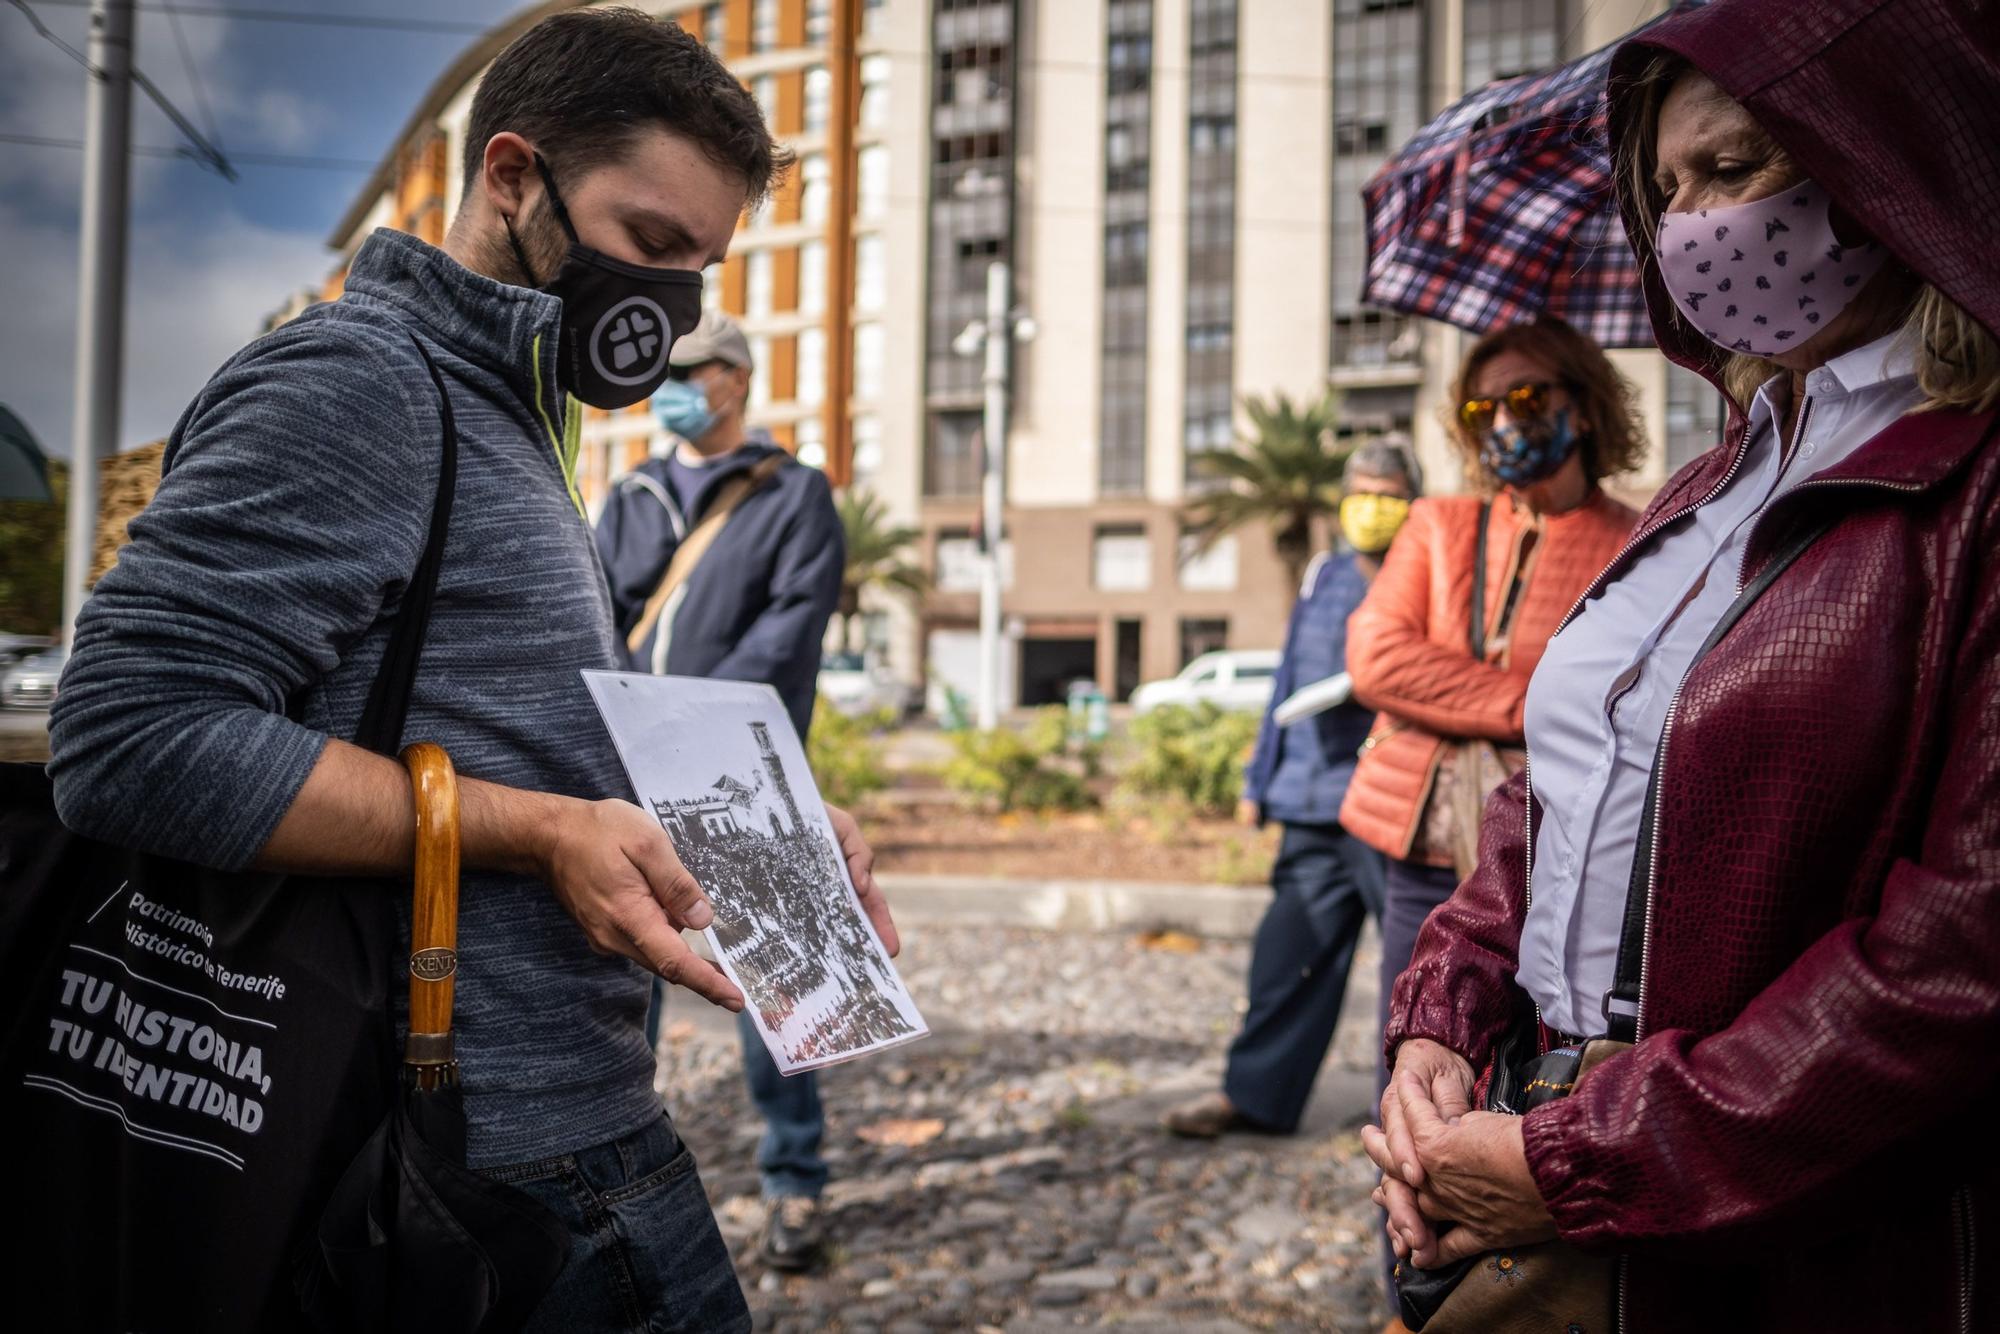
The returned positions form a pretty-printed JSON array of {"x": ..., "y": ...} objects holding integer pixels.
[
  {"x": 630, "y": 343},
  {"x": 619, "y": 320}
]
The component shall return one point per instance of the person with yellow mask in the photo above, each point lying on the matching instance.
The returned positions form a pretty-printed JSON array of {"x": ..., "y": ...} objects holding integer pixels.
[{"x": 1325, "y": 883}]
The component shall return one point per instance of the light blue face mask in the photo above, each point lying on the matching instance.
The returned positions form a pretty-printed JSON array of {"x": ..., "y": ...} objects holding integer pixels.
[{"x": 681, "y": 406}]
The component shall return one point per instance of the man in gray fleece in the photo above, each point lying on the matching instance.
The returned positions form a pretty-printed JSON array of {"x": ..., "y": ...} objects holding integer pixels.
[{"x": 608, "y": 158}]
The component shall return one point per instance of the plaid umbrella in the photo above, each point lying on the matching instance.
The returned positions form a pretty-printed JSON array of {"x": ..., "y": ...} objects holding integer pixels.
[{"x": 1502, "y": 209}]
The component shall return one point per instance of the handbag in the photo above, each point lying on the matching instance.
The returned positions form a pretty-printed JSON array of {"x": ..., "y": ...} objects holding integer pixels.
[
  {"x": 1552, "y": 1285},
  {"x": 190, "y": 1058},
  {"x": 1468, "y": 770}
]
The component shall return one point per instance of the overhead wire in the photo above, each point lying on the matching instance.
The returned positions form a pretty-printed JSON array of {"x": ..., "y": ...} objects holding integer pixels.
[
  {"x": 252, "y": 159},
  {"x": 193, "y": 72},
  {"x": 203, "y": 151}
]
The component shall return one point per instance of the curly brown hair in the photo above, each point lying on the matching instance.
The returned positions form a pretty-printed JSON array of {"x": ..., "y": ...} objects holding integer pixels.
[{"x": 1607, "y": 400}]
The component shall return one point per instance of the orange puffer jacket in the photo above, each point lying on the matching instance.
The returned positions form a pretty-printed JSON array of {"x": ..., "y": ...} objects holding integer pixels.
[{"x": 1407, "y": 643}]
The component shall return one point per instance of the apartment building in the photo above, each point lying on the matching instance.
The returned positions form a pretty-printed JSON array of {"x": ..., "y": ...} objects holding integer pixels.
[{"x": 1176, "y": 184}]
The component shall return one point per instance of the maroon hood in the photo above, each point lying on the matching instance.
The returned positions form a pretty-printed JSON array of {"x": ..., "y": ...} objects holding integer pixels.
[{"x": 1892, "y": 105}]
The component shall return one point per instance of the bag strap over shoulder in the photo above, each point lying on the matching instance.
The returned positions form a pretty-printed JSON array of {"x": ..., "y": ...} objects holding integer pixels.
[
  {"x": 1621, "y": 1003},
  {"x": 696, "y": 544},
  {"x": 388, "y": 706},
  {"x": 1476, "y": 627}
]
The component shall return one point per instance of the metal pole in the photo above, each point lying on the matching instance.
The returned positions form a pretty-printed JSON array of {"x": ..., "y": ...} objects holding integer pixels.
[
  {"x": 100, "y": 324},
  {"x": 843, "y": 70},
  {"x": 999, "y": 339}
]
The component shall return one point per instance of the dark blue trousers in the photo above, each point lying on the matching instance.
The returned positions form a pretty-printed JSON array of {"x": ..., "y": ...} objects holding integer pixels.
[
  {"x": 788, "y": 1157},
  {"x": 1326, "y": 885}
]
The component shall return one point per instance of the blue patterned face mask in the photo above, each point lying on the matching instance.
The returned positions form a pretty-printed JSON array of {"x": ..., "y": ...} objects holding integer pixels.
[
  {"x": 681, "y": 406},
  {"x": 1523, "y": 453}
]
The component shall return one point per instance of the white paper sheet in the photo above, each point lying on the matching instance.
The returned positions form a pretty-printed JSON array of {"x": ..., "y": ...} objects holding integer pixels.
[{"x": 718, "y": 764}]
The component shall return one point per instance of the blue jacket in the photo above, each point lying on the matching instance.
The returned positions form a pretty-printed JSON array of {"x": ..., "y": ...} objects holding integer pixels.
[
  {"x": 1299, "y": 774},
  {"x": 757, "y": 605}
]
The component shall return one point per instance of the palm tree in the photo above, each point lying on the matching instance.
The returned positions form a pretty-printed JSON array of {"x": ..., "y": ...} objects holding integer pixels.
[
  {"x": 1286, "y": 474},
  {"x": 875, "y": 550}
]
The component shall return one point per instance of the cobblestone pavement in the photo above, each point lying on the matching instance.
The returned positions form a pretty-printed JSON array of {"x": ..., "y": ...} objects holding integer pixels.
[{"x": 1032, "y": 1189}]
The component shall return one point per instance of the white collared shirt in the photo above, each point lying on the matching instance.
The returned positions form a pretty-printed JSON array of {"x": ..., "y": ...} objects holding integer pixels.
[{"x": 1600, "y": 696}]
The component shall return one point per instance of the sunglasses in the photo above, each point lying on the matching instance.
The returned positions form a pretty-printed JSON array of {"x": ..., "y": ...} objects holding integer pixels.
[
  {"x": 689, "y": 372},
  {"x": 1530, "y": 399}
]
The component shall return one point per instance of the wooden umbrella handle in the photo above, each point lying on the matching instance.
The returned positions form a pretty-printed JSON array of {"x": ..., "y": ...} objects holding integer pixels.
[{"x": 434, "y": 914}]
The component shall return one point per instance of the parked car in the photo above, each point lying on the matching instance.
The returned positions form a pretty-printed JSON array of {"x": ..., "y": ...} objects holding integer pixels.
[
  {"x": 13, "y": 648},
  {"x": 31, "y": 683},
  {"x": 1235, "y": 679},
  {"x": 851, "y": 685}
]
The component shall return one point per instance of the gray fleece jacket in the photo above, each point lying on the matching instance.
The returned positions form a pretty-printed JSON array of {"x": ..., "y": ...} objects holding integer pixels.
[{"x": 294, "y": 508}]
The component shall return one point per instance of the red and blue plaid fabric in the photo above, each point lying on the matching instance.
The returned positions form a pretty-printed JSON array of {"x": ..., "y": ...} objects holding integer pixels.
[{"x": 1501, "y": 210}]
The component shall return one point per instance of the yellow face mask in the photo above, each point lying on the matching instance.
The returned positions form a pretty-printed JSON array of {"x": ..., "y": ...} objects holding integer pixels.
[{"x": 1369, "y": 522}]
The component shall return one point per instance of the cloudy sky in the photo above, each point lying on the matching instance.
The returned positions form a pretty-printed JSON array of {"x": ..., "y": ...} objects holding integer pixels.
[{"x": 208, "y": 259}]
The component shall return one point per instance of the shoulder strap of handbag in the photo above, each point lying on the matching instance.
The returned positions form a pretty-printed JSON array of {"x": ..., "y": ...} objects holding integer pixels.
[
  {"x": 388, "y": 704},
  {"x": 1622, "y": 1023},
  {"x": 696, "y": 544},
  {"x": 1476, "y": 630}
]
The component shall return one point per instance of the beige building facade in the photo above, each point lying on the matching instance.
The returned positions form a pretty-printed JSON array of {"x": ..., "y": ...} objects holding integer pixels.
[{"x": 1176, "y": 185}]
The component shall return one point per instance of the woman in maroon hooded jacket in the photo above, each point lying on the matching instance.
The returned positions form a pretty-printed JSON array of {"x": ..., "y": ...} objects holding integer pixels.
[{"x": 1803, "y": 1137}]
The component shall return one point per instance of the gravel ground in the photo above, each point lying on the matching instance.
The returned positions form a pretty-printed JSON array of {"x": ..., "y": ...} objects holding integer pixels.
[{"x": 1033, "y": 1189}]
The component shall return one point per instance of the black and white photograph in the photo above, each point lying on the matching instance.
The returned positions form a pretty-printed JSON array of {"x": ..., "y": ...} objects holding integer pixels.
[{"x": 720, "y": 766}]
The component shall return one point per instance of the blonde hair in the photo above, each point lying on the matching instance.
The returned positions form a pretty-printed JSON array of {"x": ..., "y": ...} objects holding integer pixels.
[{"x": 1957, "y": 358}]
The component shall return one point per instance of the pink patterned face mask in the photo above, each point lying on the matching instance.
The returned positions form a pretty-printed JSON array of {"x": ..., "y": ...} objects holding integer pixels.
[{"x": 1763, "y": 277}]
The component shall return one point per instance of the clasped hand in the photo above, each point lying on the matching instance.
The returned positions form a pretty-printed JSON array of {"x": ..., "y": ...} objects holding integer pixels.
[{"x": 1455, "y": 1182}]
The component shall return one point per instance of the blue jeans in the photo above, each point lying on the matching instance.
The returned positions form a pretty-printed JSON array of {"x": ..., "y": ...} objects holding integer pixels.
[
  {"x": 788, "y": 1155},
  {"x": 1326, "y": 885},
  {"x": 645, "y": 1254}
]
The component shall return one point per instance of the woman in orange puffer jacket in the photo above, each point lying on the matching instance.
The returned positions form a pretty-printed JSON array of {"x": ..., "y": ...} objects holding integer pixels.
[{"x": 1541, "y": 416}]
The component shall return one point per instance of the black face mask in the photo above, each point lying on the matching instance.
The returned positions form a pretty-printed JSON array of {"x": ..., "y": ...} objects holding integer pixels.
[{"x": 619, "y": 320}]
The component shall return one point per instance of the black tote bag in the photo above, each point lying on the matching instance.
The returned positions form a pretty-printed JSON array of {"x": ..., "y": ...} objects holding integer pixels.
[{"x": 188, "y": 1058}]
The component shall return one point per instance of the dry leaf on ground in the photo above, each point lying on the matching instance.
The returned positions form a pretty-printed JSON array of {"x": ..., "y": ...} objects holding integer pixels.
[{"x": 902, "y": 1133}]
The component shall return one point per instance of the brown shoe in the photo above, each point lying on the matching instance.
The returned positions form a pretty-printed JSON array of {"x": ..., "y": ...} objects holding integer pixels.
[{"x": 1205, "y": 1118}]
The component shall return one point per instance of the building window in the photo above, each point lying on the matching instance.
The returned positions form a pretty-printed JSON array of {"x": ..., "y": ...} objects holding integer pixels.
[
  {"x": 875, "y": 72},
  {"x": 1201, "y": 635},
  {"x": 871, "y": 272},
  {"x": 713, "y": 21},
  {"x": 970, "y": 217},
  {"x": 1121, "y": 559},
  {"x": 819, "y": 22},
  {"x": 812, "y": 278},
  {"x": 1210, "y": 571},
  {"x": 764, "y": 88},
  {"x": 815, "y": 187},
  {"x": 757, "y": 267},
  {"x": 960, "y": 558},
  {"x": 760, "y": 371},
  {"x": 867, "y": 430},
  {"x": 951, "y": 454},
  {"x": 819, "y": 96},
  {"x": 711, "y": 287},
  {"x": 1128, "y": 139},
  {"x": 809, "y": 442},
  {"x": 812, "y": 367},
  {"x": 1506, "y": 38},
  {"x": 1211, "y": 254},
  {"x": 868, "y": 352},
  {"x": 1377, "y": 103},
  {"x": 763, "y": 25},
  {"x": 871, "y": 167}
]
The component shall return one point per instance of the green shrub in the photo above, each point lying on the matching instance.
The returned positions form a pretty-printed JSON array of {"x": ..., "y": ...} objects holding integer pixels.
[
  {"x": 1018, "y": 770},
  {"x": 846, "y": 758},
  {"x": 1195, "y": 755}
]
